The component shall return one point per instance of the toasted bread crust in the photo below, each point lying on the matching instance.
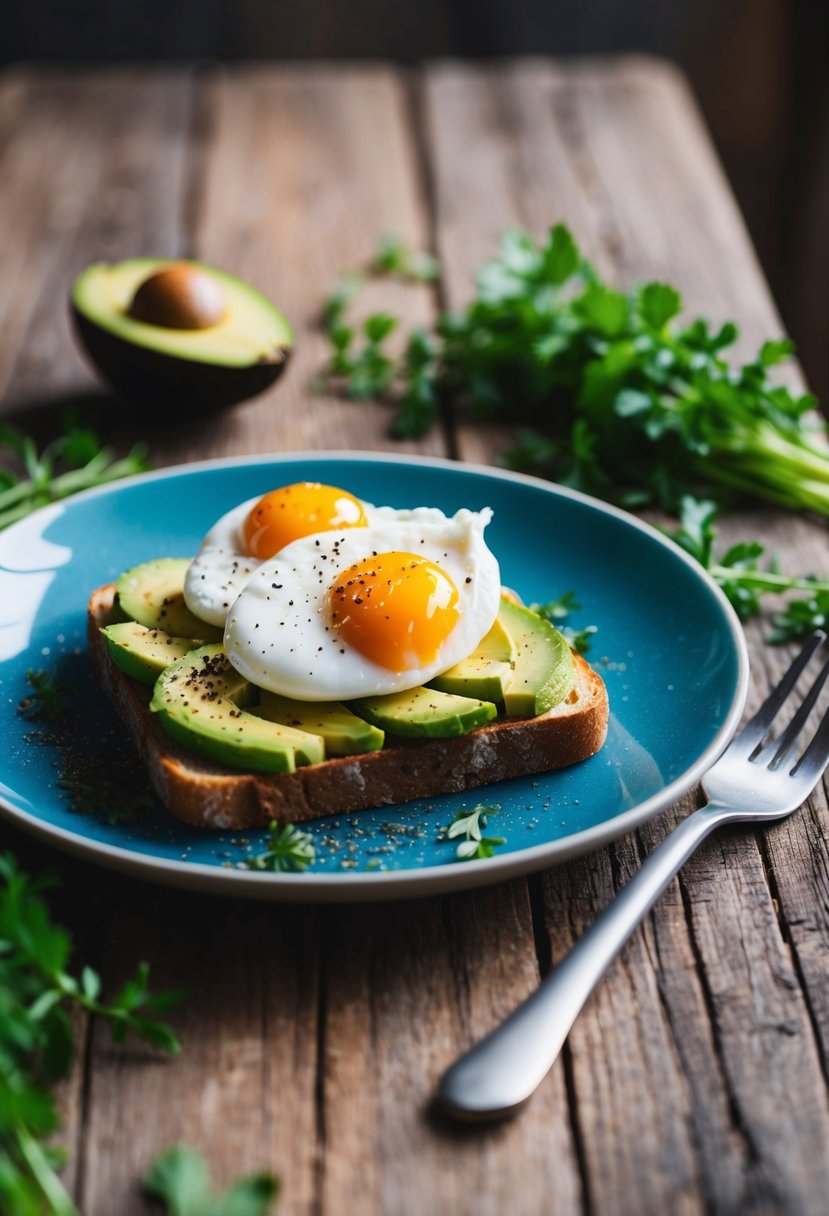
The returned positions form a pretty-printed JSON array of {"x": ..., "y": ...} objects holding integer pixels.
[{"x": 211, "y": 795}]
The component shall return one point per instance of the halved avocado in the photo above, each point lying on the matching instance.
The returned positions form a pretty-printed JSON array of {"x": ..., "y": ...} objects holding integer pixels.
[{"x": 179, "y": 334}]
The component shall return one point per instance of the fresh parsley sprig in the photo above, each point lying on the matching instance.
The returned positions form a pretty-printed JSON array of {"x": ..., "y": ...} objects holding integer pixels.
[
  {"x": 36, "y": 1037},
  {"x": 287, "y": 849},
  {"x": 623, "y": 401},
  {"x": 744, "y": 580},
  {"x": 471, "y": 825},
  {"x": 74, "y": 461},
  {"x": 180, "y": 1180}
]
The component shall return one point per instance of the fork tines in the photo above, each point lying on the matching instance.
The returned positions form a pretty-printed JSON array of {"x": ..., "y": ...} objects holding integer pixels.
[{"x": 776, "y": 750}]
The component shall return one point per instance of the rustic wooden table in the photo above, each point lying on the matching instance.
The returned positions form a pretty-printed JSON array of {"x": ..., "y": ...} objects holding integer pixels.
[{"x": 696, "y": 1079}]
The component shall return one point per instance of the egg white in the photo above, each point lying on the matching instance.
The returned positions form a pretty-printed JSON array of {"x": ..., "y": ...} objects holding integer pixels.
[
  {"x": 222, "y": 568},
  {"x": 278, "y": 634}
]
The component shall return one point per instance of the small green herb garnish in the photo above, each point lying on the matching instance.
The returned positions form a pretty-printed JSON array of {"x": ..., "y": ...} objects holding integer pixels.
[
  {"x": 48, "y": 699},
  {"x": 74, "y": 461},
  {"x": 557, "y": 613},
  {"x": 471, "y": 825},
  {"x": 37, "y": 1043},
  {"x": 180, "y": 1180},
  {"x": 288, "y": 849},
  {"x": 624, "y": 402},
  {"x": 392, "y": 257},
  {"x": 744, "y": 581}
]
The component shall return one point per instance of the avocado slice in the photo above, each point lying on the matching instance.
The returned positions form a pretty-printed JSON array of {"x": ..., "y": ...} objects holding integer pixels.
[
  {"x": 144, "y": 653},
  {"x": 485, "y": 673},
  {"x": 425, "y": 713},
  {"x": 182, "y": 361},
  {"x": 343, "y": 732},
  {"x": 199, "y": 703},
  {"x": 153, "y": 595},
  {"x": 542, "y": 673}
]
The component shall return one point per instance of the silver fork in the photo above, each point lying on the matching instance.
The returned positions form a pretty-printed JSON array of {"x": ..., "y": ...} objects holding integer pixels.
[{"x": 774, "y": 775}]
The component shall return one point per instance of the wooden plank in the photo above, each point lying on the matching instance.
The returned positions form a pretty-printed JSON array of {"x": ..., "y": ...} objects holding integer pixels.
[
  {"x": 93, "y": 167},
  {"x": 307, "y": 167},
  {"x": 406, "y": 992},
  {"x": 243, "y": 1089},
  {"x": 618, "y": 151}
]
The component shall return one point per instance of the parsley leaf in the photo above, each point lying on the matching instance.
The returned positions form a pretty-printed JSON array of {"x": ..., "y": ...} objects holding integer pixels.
[
  {"x": 470, "y": 825},
  {"x": 47, "y": 701},
  {"x": 180, "y": 1180},
  {"x": 287, "y": 849},
  {"x": 37, "y": 1041},
  {"x": 557, "y": 613}
]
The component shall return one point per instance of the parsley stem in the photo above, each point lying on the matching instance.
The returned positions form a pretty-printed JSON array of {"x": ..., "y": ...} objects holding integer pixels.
[
  {"x": 753, "y": 473},
  {"x": 44, "y": 1176},
  {"x": 21, "y": 499},
  {"x": 766, "y": 580}
]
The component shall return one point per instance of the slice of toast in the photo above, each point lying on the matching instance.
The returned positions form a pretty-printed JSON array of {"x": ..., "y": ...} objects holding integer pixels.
[{"x": 212, "y": 795}]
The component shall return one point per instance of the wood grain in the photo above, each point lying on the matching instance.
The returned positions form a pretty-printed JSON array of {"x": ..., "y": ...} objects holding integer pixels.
[
  {"x": 697, "y": 1000},
  {"x": 275, "y": 207},
  {"x": 696, "y": 1079},
  {"x": 93, "y": 168}
]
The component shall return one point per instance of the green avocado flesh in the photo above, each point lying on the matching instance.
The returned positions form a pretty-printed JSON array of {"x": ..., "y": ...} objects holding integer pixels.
[
  {"x": 153, "y": 595},
  {"x": 485, "y": 673},
  {"x": 199, "y": 701},
  {"x": 144, "y": 653},
  {"x": 425, "y": 713},
  {"x": 343, "y": 732},
  {"x": 252, "y": 331},
  {"x": 542, "y": 672}
]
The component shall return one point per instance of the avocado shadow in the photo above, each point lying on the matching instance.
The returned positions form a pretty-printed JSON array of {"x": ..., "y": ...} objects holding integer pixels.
[{"x": 117, "y": 422}]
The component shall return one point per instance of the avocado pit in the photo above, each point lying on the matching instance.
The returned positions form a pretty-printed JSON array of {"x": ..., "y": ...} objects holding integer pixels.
[{"x": 181, "y": 296}]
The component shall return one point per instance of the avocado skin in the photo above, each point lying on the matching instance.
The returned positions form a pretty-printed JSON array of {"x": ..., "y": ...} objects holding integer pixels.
[
  {"x": 425, "y": 713},
  {"x": 156, "y": 382}
]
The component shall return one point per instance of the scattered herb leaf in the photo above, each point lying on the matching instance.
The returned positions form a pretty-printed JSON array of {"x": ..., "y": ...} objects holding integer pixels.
[
  {"x": 392, "y": 257},
  {"x": 741, "y": 576},
  {"x": 558, "y": 611},
  {"x": 179, "y": 1179},
  {"x": 48, "y": 699},
  {"x": 36, "y": 1037},
  {"x": 74, "y": 461},
  {"x": 470, "y": 825},
  {"x": 288, "y": 849}
]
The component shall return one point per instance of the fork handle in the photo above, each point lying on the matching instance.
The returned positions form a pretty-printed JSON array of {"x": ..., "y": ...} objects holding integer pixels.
[{"x": 504, "y": 1069}]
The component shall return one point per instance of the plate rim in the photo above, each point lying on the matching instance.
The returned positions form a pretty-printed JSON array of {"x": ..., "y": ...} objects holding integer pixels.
[{"x": 360, "y": 886}]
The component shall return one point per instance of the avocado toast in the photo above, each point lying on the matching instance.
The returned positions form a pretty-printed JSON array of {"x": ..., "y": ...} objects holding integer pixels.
[{"x": 563, "y": 725}]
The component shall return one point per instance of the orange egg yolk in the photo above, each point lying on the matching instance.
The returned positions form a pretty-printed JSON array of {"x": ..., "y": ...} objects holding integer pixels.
[
  {"x": 397, "y": 609},
  {"x": 290, "y": 512}
]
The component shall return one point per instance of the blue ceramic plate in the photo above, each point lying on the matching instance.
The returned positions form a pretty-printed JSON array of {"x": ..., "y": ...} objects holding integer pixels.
[{"x": 668, "y": 646}]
